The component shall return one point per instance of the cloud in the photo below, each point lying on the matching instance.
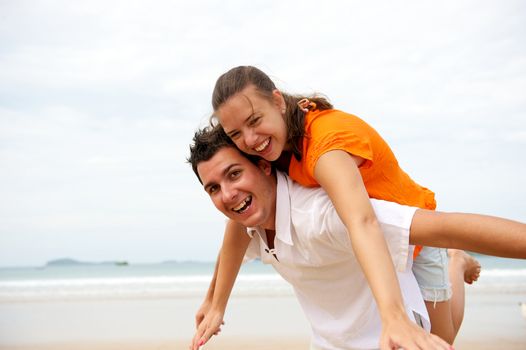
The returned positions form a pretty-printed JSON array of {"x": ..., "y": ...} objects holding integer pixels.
[{"x": 99, "y": 101}]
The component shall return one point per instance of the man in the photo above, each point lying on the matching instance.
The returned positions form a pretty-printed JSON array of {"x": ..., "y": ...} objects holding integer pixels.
[{"x": 298, "y": 232}]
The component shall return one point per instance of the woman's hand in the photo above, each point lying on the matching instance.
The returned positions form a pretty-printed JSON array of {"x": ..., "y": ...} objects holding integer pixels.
[{"x": 400, "y": 332}]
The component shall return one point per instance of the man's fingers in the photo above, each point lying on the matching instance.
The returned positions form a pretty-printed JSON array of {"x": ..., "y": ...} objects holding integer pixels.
[
  {"x": 208, "y": 326},
  {"x": 207, "y": 335},
  {"x": 195, "y": 341},
  {"x": 218, "y": 330},
  {"x": 197, "y": 337},
  {"x": 202, "y": 336}
]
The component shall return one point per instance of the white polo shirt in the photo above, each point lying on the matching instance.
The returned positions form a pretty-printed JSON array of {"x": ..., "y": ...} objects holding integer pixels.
[{"x": 315, "y": 256}]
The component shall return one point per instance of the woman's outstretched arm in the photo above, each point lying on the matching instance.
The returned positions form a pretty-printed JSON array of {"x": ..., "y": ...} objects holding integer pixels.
[
  {"x": 337, "y": 172},
  {"x": 483, "y": 234}
]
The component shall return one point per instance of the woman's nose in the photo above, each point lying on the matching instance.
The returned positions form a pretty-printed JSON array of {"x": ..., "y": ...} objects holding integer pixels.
[{"x": 250, "y": 138}]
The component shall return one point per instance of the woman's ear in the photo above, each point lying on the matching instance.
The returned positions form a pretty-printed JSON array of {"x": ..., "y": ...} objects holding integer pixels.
[
  {"x": 279, "y": 101},
  {"x": 265, "y": 166}
]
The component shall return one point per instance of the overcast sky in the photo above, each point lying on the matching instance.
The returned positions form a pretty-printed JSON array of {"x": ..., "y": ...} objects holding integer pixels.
[{"x": 99, "y": 101}]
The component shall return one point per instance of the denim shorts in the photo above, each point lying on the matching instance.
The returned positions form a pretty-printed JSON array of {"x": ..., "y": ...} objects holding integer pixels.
[{"x": 431, "y": 271}]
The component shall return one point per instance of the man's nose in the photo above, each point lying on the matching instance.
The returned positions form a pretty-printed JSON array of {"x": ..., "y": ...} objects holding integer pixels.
[{"x": 229, "y": 194}]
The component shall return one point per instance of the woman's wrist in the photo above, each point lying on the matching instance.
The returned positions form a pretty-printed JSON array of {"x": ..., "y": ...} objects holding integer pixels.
[{"x": 394, "y": 312}]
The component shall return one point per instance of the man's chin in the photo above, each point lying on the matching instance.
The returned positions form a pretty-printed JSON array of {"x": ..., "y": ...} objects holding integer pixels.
[{"x": 250, "y": 222}]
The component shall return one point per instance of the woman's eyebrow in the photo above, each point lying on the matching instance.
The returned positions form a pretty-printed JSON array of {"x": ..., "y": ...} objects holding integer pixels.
[{"x": 229, "y": 133}]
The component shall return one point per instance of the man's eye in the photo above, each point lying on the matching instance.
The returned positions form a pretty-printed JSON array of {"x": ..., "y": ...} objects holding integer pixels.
[{"x": 213, "y": 189}]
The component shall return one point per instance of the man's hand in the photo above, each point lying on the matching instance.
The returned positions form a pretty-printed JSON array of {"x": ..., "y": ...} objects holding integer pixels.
[
  {"x": 209, "y": 325},
  {"x": 402, "y": 333}
]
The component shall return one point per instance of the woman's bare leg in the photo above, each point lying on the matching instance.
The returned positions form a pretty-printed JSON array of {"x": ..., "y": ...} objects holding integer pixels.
[
  {"x": 446, "y": 316},
  {"x": 462, "y": 268},
  {"x": 441, "y": 321},
  {"x": 479, "y": 233}
]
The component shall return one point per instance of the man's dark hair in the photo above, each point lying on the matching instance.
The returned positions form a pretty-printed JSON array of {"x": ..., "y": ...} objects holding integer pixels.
[{"x": 207, "y": 142}]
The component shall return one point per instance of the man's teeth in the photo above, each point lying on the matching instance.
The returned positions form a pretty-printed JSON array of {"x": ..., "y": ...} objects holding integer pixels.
[
  {"x": 243, "y": 205},
  {"x": 262, "y": 146}
]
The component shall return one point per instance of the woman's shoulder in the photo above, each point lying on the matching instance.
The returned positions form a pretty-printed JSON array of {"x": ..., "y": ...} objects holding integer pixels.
[{"x": 333, "y": 120}]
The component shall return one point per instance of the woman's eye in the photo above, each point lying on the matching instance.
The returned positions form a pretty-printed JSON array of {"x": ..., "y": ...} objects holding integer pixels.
[
  {"x": 254, "y": 121},
  {"x": 234, "y": 135},
  {"x": 234, "y": 174}
]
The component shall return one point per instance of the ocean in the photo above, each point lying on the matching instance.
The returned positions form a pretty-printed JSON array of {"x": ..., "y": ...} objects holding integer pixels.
[
  {"x": 191, "y": 279},
  {"x": 133, "y": 281}
]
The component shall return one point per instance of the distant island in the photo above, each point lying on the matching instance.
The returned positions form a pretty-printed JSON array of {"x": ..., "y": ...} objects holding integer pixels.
[
  {"x": 71, "y": 262},
  {"x": 181, "y": 262}
]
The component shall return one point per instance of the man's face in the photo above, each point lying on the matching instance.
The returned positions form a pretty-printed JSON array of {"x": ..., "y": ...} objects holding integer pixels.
[{"x": 243, "y": 191}]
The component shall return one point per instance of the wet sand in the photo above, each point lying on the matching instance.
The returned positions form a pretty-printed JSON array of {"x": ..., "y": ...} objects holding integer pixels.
[{"x": 491, "y": 322}]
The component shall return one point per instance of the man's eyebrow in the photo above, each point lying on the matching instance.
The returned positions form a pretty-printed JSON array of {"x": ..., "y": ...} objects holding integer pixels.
[{"x": 223, "y": 173}]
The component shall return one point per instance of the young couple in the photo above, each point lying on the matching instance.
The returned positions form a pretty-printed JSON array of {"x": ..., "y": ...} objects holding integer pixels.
[{"x": 345, "y": 255}]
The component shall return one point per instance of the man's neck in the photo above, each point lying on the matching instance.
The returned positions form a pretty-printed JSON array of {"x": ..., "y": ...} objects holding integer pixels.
[
  {"x": 271, "y": 234},
  {"x": 270, "y": 224}
]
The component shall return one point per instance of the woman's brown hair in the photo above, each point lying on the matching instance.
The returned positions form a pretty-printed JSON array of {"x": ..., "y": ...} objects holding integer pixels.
[{"x": 238, "y": 78}]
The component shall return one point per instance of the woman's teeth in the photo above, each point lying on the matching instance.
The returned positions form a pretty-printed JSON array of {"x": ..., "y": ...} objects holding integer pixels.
[
  {"x": 243, "y": 205},
  {"x": 262, "y": 146}
]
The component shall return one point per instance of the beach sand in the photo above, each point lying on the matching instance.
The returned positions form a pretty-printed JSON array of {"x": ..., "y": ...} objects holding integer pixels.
[
  {"x": 236, "y": 344},
  {"x": 491, "y": 322}
]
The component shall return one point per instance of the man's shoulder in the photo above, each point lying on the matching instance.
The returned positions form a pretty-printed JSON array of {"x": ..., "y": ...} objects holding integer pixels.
[{"x": 301, "y": 197}]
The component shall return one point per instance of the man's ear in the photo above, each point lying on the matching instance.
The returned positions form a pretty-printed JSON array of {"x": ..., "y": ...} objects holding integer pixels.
[
  {"x": 278, "y": 99},
  {"x": 265, "y": 166}
]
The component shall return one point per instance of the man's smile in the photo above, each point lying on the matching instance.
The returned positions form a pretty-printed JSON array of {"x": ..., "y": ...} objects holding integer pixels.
[{"x": 243, "y": 205}]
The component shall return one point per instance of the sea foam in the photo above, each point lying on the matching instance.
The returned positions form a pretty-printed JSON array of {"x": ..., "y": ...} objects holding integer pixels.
[{"x": 147, "y": 284}]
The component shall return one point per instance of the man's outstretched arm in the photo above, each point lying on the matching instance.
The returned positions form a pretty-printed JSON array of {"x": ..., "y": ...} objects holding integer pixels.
[{"x": 235, "y": 244}]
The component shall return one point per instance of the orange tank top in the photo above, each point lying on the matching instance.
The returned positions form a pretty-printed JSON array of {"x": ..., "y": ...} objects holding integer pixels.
[{"x": 383, "y": 178}]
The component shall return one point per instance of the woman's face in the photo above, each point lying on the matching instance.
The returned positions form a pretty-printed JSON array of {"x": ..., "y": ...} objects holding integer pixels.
[{"x": 255, "y": 123}]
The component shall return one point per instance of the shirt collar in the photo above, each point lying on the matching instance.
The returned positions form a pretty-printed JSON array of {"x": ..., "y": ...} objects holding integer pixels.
[{"x": 283, "y": 219}]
